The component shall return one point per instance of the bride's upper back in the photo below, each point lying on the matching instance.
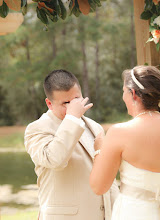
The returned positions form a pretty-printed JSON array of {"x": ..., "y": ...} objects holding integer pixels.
[{"x": 141, "y": 140}]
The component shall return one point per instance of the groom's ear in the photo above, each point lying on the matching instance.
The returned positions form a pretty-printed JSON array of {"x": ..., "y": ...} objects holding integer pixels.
[{"x": 49, "y": 104}]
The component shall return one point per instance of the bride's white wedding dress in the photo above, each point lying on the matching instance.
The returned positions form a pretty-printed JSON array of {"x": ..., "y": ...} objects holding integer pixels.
[{"x": 139, "y": 198}]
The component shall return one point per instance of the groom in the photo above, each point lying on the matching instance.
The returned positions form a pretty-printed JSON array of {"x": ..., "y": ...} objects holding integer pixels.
[{"x": 60, "y": 144}]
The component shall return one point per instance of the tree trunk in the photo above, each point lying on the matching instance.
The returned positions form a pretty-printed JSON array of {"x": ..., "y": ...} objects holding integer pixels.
[
  {"x": 27, "y": 50},
  {"x": 64, "y": 31},
  {"x": 54, "y": 46},
  {"x": 31, "y": 87},
  {"x": 85, "y": 71},
  {"x": 132, "y": 59},
  {"x": 97, "y": 70},
  {"x": 64, "y": 44},
  {"x": 34, "y": 101}
]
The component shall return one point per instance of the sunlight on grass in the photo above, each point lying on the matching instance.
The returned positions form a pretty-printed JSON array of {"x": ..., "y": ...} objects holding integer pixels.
[
  {"x": 15, "y": 205},
  {"x": 21, "y": 216},
  {"x": 15, "y": 140}
]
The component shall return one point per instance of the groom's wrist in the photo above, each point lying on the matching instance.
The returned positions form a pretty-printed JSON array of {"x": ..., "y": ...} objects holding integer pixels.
[{"x": 79, "y": 121}]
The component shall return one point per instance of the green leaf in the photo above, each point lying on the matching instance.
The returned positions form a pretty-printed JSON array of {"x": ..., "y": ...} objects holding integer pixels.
[
  {"x": 154, "y": 10},
  {"x": 53, "y": 17},
  {"x": 76, "y": 11},
  {"x": 148, "y": 5},
  {"x": 42, "y": 15},
  {"x": 63, "y": 14},
  {"x": 158, "y": 7},
  {"x": 98, "y": 3},
  {"x": 71, "y": 4},
  {"x": 24, "y": 9},
  {"x": 158, "y": 46},
  {"x": 92, "y": 5},
  {"x": 149, "y": 39},
  {"x": 53, "y": 4},
  {"x": 146, "y": 15},
  {"x": 45, "y": 28},
  {"x": 153, "y": 17},
  {"x": 57, "y": 7},
  {"x": 23, "y": 3},
  {"x": 4, "y": 10},
  {"x": 151, "y": 28}
]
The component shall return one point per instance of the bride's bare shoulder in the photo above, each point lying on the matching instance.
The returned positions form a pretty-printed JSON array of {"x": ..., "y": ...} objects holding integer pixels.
[
  {"x": 124, "y": 124},
  {"x": 121, "y": 127}
]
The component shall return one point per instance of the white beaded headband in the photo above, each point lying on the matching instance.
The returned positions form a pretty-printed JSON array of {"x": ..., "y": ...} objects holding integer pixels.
[{"x": 135, "y": 80}]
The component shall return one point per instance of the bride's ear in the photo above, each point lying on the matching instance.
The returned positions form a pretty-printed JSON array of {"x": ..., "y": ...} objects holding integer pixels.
[{"x": 134, "y": 96}]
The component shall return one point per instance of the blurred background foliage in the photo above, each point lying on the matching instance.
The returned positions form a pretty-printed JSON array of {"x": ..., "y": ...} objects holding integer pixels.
[{"x": 96, "y": 48}]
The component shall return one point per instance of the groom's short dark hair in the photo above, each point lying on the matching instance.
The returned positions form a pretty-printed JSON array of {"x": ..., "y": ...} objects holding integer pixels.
[{"x": 59, "y": 80}]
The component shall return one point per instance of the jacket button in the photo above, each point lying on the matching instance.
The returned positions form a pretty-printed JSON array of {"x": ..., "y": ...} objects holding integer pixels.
[{"x": 102, "y": 207}]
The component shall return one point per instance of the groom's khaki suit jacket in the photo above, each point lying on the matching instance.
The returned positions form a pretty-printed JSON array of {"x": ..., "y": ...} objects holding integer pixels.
[{"x": 63, "y": 162}]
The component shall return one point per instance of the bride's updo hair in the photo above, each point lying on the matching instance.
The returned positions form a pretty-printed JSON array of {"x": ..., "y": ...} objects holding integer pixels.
[{"x": 149, "y": 88}]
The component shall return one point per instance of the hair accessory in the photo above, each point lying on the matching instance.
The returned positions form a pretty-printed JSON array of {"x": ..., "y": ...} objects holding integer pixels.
[{"x": 136, "y": 81}]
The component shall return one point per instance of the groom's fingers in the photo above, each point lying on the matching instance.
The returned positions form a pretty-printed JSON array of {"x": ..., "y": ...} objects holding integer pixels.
[
  {"x": 85, "y": 100},
  {"x": 80, "y": 99},
  {"x": 88, "y": 106}
]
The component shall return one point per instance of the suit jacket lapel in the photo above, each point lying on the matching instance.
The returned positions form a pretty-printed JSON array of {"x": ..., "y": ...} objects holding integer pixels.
[
  {"x": 94, "y": 129},
  {"x": 89, "y": 150},
  {"x": 83, "y": 140}
]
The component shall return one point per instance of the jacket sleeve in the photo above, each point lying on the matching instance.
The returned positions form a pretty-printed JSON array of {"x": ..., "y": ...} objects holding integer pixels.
[{"x": 52, "y": 150}]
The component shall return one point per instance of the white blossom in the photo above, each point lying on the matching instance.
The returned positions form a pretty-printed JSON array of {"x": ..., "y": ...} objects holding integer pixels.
[
  {"x": 66, "y": 4},
  {"x": 65, "y": 1},
  {"x": 157, "y": 21},
  {"x": 156, "y": 36}
]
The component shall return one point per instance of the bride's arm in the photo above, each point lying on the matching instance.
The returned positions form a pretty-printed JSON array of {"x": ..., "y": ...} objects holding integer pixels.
[{"x": 107, "y": 163}]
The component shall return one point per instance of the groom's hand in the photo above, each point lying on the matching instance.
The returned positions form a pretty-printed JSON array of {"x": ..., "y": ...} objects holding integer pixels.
[{"x": 78, "y": 106}]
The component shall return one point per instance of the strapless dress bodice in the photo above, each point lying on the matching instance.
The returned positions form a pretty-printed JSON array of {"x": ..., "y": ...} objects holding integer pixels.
[
  {"x": 140, "y": 178},
  {"x": 139, "y": 197}
]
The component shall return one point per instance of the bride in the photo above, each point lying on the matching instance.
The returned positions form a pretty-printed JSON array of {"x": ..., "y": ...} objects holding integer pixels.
[{"x": 133, "y": 148}]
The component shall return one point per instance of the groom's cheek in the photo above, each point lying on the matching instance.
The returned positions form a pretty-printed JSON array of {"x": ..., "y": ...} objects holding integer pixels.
[{"x": 63, "y": 111}]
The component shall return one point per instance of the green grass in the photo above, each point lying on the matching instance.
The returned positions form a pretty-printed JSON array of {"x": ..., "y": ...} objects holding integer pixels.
[
  {"x": 17, "y": 169},
  {"x": 21, "y": 216},
  {"x": 15, "y": 140},
  {"x": 15, "y": 205}
]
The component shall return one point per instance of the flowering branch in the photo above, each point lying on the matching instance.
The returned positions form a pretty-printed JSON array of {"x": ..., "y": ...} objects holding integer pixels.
[
  {"x": 152, "y": 12},
  {"x": 51, "y": 9}
]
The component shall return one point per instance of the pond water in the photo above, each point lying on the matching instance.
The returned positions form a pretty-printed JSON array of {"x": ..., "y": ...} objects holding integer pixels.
[
  {"x": 16, "y": 169},
  {"x": 18, "y": 187}
]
